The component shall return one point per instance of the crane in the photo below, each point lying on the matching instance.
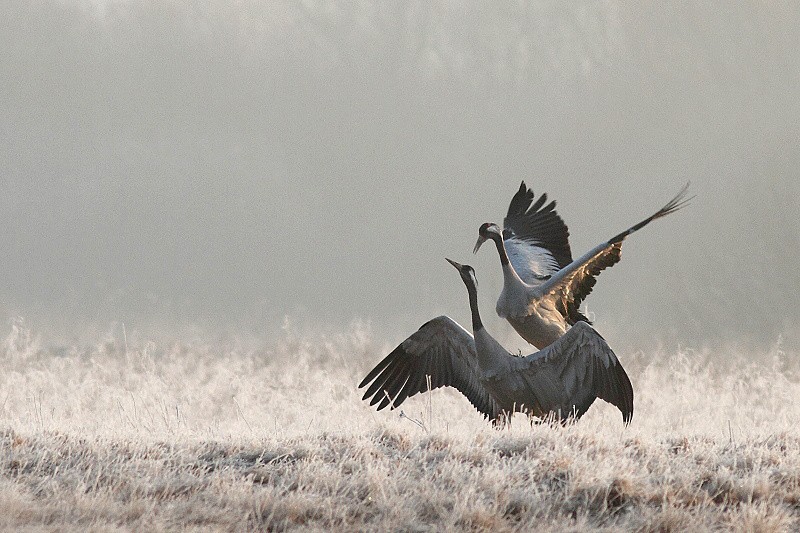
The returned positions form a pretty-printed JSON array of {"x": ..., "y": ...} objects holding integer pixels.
[
  {"x": 561, "y": 381},
  {"x": 543, "y": 286}
]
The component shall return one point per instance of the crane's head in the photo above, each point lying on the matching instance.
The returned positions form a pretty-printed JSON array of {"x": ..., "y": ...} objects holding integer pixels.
[
  {"x": 466, "y": 271},
  {"x": 488, "y": 230}
]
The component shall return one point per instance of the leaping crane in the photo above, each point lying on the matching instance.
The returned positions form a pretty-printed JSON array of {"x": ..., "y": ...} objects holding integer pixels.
[{"x": 542, "y": 286}]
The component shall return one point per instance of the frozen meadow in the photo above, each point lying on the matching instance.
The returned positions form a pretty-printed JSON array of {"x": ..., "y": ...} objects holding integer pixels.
[
  {"x": 225, "y": 163},
  {"x": 244, "y": 434}
]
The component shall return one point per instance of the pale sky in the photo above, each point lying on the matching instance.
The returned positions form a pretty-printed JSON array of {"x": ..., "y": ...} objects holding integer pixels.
[{"x": 228, "y": 164}]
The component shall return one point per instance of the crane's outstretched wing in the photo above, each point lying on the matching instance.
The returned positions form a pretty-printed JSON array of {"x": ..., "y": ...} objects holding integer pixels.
[
  {"x": 441, "y": 349},
  {"x": 570, "y": 285},
  {"x": 537, "y": 243},
  {"x": 538, "y": 224},
  {"x": 566, "y": 377}
]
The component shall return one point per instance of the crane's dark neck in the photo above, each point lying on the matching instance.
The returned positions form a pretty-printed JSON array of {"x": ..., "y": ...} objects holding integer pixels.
[
  {"x": 501, "y": 248},
  {"x": 473, "y": 306}
]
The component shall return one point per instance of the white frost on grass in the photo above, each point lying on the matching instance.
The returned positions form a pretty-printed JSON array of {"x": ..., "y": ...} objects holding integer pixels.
[
  {"x": 305, "y": 384},
  {"x": 241, "y": 434}
]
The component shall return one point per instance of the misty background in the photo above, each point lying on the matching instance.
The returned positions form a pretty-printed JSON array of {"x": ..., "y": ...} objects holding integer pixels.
[{"x": 226, "y": 165}]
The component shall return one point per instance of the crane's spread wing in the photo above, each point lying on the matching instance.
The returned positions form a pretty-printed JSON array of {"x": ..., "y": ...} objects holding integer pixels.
[
  {"x": 441, "y": 349},
  {"x": 537, "y": 244},
  {"x": 532, "y": 263},
  {"x": 570, "y": 373},
  {"x": 572, "y": 284},
  {"x": 538, "y": 223}
]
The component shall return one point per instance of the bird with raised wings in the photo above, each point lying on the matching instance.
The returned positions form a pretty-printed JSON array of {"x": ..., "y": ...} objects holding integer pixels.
[
  {"x": 543, "y": 286},
  {"x": 560, "y": 381}
]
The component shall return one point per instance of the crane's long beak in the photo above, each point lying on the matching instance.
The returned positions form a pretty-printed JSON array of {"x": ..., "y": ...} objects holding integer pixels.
[
  {"x": 457, "y": 265},
  {"x": 481, "y": 240}
]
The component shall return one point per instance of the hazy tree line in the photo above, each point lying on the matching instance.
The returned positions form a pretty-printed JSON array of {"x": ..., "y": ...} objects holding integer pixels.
[{"x": 158, "y": 157}]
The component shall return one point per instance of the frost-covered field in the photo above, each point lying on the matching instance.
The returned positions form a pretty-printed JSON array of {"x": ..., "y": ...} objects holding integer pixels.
[{"x": 233, "y": 434}]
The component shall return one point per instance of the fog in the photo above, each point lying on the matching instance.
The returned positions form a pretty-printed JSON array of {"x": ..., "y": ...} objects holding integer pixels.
[{"x": 226, "y": 164}]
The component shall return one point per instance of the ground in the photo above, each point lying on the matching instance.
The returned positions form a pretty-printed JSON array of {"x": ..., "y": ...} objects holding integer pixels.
[{"x": 239, "y": 436}]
